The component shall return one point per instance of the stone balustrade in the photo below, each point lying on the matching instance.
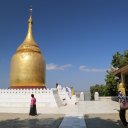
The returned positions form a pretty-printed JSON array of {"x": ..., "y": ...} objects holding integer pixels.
[
  {"x": 104, "y": 98},
  {"x": 65, "y": 97},
  {"x": 63, "y": 94}
]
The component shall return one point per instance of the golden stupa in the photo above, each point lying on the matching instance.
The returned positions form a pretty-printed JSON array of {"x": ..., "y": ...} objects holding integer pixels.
[{"x": 27, "y": 69}]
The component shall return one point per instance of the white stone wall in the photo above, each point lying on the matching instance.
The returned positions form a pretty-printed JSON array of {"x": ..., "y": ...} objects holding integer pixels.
[
  {"x": 104, "y": 98},
  {"x": 18, "y": 100}
]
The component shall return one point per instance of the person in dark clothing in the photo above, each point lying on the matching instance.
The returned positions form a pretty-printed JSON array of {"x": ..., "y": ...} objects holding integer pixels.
[
  {"x": 122, "y": 112},
  {"x": 56, "y": 85},
  {"x": 33, "y": 110}
]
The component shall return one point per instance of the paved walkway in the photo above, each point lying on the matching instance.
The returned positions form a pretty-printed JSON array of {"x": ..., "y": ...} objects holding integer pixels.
[
  {"x": 74, "y": 118},
  {"x": 87, "y": 114},
  {"x": 73, "y": 121},
  {"x": 75, "y": 114},
  {"x": 103, "y": 120},
  {"x": 13, "y": 120}
]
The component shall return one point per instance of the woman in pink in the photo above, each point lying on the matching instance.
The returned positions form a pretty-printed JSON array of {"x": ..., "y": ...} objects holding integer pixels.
[{"x": 33, "y": 111}]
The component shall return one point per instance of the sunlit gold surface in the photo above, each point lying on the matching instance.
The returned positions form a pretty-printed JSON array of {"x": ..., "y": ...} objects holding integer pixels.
[
  {"x": 121, "y": 87},
  {"x": 27, "y": 64}
]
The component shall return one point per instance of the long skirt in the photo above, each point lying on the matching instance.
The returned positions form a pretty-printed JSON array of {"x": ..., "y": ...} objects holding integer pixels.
[
  {"x": 33, "y": 111},
  {"x": 122, "y": 114}
]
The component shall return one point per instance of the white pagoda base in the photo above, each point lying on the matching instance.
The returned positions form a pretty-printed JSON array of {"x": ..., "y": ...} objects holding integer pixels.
[
  {"x": 18, "y": 100},
  {"x": 48, "y": 100}
]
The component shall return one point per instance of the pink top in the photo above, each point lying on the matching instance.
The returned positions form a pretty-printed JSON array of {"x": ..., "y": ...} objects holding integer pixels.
[{"x": 33, "y": 101}]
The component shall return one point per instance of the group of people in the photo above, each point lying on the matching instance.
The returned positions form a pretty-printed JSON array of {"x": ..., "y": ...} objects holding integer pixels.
[{"x": 122, "y": 111}]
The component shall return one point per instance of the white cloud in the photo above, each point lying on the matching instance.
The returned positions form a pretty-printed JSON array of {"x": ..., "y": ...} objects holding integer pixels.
[
  {"x": 85, "y": 69},
  {"x": 53, "y": 66}
]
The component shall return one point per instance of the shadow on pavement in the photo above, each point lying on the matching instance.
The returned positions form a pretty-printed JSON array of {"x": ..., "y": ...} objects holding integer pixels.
[
  {"x": 31, "y": 123},
  {"x": 103, "y": 121}
]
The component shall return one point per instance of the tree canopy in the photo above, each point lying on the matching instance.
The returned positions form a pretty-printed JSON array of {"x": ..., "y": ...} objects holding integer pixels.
[
  {"x": 119, "y": 60},
  {"x": 110, "y": 88}
]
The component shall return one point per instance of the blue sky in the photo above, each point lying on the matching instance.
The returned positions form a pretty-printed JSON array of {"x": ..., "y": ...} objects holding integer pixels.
[{"x": 77, "y": 37}]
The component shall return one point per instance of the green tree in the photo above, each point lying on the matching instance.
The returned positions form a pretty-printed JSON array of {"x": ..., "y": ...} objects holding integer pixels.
[
  {"x": 101, "y": 89},
  {"x": 125, "y": 58},
  {"x": 111, "y": 84},
  {"x": 110, "y": 89},
  {"x": 119, "y": 60}
]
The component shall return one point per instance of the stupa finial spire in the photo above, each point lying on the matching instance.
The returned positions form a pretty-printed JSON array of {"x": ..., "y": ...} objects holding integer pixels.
[
  {"x": 29, "y": 38},
  {"x": 30, "y": 10}
]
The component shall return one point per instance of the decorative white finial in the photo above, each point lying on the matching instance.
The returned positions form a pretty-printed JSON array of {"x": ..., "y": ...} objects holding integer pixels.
[{"x": 30, "y": 10}]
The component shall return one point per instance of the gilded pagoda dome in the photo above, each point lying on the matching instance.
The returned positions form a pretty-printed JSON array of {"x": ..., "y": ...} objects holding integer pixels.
[{"x": 27, "y": 69}]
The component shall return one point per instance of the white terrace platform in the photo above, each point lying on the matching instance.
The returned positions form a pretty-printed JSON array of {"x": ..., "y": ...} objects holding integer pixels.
[
  {"x": 74, "y": 117},
  {"x": 51, "y": 101},
  {"x": 18, "y": 100}
]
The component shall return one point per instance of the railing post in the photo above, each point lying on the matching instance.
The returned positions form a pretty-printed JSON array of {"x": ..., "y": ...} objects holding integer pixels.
[{"x": 96, "y": 96}]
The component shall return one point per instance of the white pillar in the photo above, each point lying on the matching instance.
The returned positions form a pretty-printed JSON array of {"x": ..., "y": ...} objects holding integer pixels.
[
  {"x": 96, "y": 96},
  {"x": 82, "y": 96}
]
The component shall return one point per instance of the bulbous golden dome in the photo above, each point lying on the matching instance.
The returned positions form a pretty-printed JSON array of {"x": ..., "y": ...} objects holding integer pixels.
[{"x": 27, "y": 69}]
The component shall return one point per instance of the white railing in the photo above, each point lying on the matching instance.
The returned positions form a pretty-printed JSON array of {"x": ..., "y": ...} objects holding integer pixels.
[{"x": 103, "y": 98}]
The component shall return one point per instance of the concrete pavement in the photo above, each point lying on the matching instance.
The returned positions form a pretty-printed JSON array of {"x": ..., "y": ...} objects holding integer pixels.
[
  {"x": 86, "y": 114},
  {"x": 75, "y": 114}
]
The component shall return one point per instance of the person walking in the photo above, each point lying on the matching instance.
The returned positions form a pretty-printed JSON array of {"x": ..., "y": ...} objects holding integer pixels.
[
  {"x": 122, "y": 112},
  {"x": 33, "y": 110}
]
